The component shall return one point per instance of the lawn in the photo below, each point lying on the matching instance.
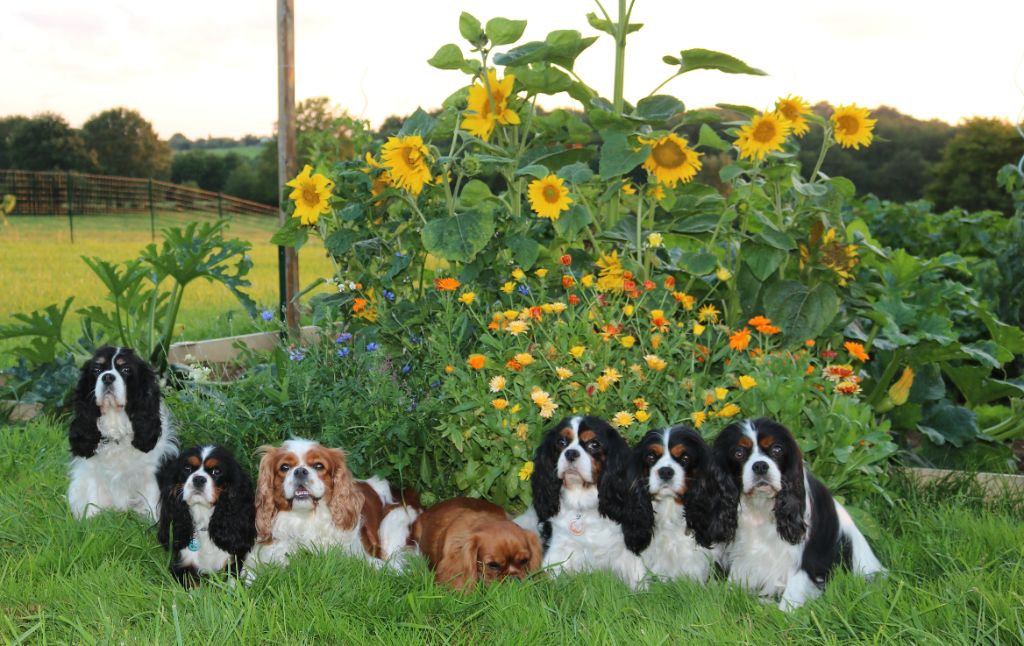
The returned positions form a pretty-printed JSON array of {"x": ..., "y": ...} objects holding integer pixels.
[
  {"x": 957, "y": 577},
  {"x": 39, "y": 265}
]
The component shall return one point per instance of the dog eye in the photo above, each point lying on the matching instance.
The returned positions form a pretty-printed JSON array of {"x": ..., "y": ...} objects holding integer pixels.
[
  {"x": 739, "y": 453},
  {"x": 651, "y": 458},
  {"x": 215, "y": 472},
  {"x": 126, "y": 370},
  {"x": 593, "y": 446},
  {"x": 775, "y": 451},
  {"x": 562, "y": 443},
  {"x": 284, "y": 468},
  {"x": 319, "y": 466},
  {"x": 524, "y": 562},
  {"x": 96, "y": 370},
  {"x": 685, "y": 460},
  {"x": 494, "y": 565},
  {"x": 187, "y": 470}
]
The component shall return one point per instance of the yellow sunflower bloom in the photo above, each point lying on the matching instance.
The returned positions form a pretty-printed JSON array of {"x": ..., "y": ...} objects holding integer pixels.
[
  {"x": 766, "y": 133},
  {"x": 671, "y": 160},
  {"x": 793, "y": 109},
  {"x": 549, "y": 197},
  {"x": 853, "y": 126},
  {"x": 485, "y": 110},
  {"x": 407, "y": 160},
  {"x": 612, "y": 274},
  {"x": 312, "y": 195}
]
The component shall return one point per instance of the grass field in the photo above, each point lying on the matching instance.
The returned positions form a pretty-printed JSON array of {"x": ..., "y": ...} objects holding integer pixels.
[
  {"x": 39, "y": 265},
  {"x": 956, "y": 577},
  {"x": 249, "y": 152}
]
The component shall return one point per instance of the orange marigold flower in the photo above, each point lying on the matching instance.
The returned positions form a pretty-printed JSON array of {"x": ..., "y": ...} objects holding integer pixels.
[
  {"x": 568, "y": 281},
  {"x": 758, "y": 321},
  {"x": 848, "y": 387},
  {"x": 565, "y": 259},
  {"x": 810, "y": 343},
  {"x": 740, "y": 339},
  {"x": 856, "y": 350},
  {"x": 574, "y": 299},
  {"x": 768, "y": 329},
  {"x": 359, "y": 304},
  {"x": 476, "y": 361},
  {"x": 512, "y": 364},
  {"x": 447, "y": 284},
  {"x": 670, "y": 282}
]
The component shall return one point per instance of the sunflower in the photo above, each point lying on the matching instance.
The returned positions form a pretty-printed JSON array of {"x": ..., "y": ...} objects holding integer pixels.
[
  {"x": 852, "y": 126},
  {"x": 406, "y": 159},
  {"x": 611, "y": 273},
  {"x": 671, "y": 159},
  {"x": 312, "y": 195},
  {"x": 793, "y": 109},
  {"x": 549, "y": 197},
  {"x": 381, "y": 181},
  {"x": 766, "y": 133},
  {"x": 485, "y": 109}
]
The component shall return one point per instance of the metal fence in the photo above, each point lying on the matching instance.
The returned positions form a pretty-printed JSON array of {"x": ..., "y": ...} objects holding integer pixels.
[{"x": 71, "y": 194}]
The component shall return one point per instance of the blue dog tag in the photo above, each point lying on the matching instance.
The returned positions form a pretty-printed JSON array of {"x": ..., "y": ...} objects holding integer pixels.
[{"x": 193, "y": 545}]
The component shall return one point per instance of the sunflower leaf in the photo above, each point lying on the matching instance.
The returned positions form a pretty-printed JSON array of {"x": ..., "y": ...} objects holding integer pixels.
[
  {"x": 608, "y": 26},
  {"x": 533, "y": 170},
  {"x": 459, "y": 237},
  {"x": 503, "y": 31},
  {"x": 565, "y": 45},
  {"x": 420, "y": 123},
  {"x": 617, "y": 156},
  {"x": 658, "y": 108},
  {"x": 706, "y": 59},
  {"x": 745, "y": 110},
  {"x": 569, "y": 225},
  {"x": 710, "y": 139},
  {"x": 470, "y": 29},
  {"x": 448, "y": 57},
  {"x": 578, "y": 173},
  {"x": 524, "y": 250},
  {"x": 531, "y": 52},
  {"x": 541, "y": 79}
]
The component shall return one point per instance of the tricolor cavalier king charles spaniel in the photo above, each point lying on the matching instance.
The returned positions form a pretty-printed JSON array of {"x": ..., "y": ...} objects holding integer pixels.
[
  {"x": 466, "y": 540},
  {"x": 120, "y": 435},
  {"x": 592, "y": 513},
  {"x": 674, "y": 465},
  {"x": 306, "y": 498},
  {"x": 783, "y": 533},
  {"x": 207, "y": 517}
]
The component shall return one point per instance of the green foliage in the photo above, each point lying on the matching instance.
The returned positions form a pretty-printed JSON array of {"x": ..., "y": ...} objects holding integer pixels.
[
  {"x": 209, "y": 171},
  {"x": 966, "y": 174},
  {"x": 47, "y": 142},
  {"x": 125, "y": 144}
]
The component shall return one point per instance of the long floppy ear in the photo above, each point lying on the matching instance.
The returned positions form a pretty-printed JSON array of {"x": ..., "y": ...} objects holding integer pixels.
[
  {"x": 233, "y": 525},
  {"x": 174, "y": 527},
  {"x": 790, "y": 502},
  {"x": 622, "y": 496},
  {"x": 84, "y": 435},
  {"x": 143, "y": 407},
  {"x": 458, "y": 566},
  {"x": 544, "y": 483},
  {"x": 536, "y": 551},
  {"x": 720, "y": 487},
  {"x": 346, "y": 503},
  {"x": 265, "y": 507},
  {"x": 699, "y": 506}
]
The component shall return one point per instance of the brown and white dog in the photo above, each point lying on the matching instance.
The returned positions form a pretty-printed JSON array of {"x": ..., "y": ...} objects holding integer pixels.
[
  {"x": 466, "y": 540},
  {"x": 306, "y": 498}
]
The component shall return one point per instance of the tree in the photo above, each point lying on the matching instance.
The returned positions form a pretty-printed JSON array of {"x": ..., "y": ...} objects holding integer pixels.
[
  {"x": 126, "y": 144},
  {"x": 966, "y": 175},
  {"x": 179, "y": 142},
  {"x": 47, "y": 142},
  {"x": 322, "y": 128},
  {"x": 8, "y": 126},
  {"x": 209, "y": 171}
]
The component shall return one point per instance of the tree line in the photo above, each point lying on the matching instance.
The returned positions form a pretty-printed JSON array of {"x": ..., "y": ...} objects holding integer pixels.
[{"x": 909, "y": 159}]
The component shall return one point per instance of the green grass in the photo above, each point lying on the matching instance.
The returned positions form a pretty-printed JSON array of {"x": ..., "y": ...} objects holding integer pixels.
[
  {"x": 957, "y": 577},
  {"x": 40, "y": 265},
  {"x": 249, "y": 152}
]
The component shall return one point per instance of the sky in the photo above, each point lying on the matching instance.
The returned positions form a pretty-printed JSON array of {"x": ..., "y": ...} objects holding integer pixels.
[{"x": 209, "y": 67}]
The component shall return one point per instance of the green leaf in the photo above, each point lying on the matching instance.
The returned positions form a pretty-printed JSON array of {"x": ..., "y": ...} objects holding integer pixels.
[
  {"x": 762, "y": 260},
  {"x": 459, "y": 237},
  {"x": 745, "y": 110},
  {"x": 340, "y": 242},
  {"x": 531, "y": 52},
  {"x": 578, "y": 173},
  {"x": 802, "y": 313},
  {"x": 976, "y": 386},
  {"x": 618, "y": 156},
  {"x": 565, "y": 45},
  {"x": 420, "y": 123},
  {"x": 352, "y": 212},
  {"x": 474, "y": 193},
  {"x": 503, "y": 31},
  {"x": 706, "y": 59},
  {"x": 699, "y": 263},
  {"x": 710, "y": 139},
  {"x": 947, "y": 422},
  {"x": 660, "y": 107},
  {"x": 1008, "y": 336},
  {"x": 928, "y": 384},
  {"x": 291, "y": 234},
  {"x": 524, "y": 250},
  {"x": 777, "y": 239},
  {"x": 554, "y": 157},
  {"x": 541, "y": 79},
  {"x": 470, "y": 29},
  {"x": 609, "y": 27},
  {"x": 730, "y": 172},
  {"x": 603, "y": 119},
  {"x": 448, "y": 57},
  {"x": 571, "y": 222},
  {"x": 697, "y": 223},
  {"x": 843, "y": 187},
  {"x": 533, "y": 170}
]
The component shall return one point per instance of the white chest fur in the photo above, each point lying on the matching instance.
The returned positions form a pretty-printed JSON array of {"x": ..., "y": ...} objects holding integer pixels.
[
  {"x": 758, "y": 559},
  {"x": 673, "y": 553},
  {"x": 307, "y": 529},
  {"x": 208, "y": 557}
]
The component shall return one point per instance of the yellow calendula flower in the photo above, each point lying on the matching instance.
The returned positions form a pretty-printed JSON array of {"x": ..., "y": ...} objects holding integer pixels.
[
  {"x": 766, "y": 133},
  {"x": 622, "y": 419},
  {"x": 708, "y": 312},
  {"x": 611, "y": 273},
  {"x": 558, "y": 307},
  {"x": 449, "y": 369},
  {"x": 508, "y": 287},
  {"x": 577, "y": 351},
  {"x": 522, "y": 430},
  {"x": 698, "y": 418},
  {"x": 467, "y": 297},
  {"x": 654, "y": 362},
  {"x": 655, "y": 239},
  {"x": 628, "y": 189},
  {"x": 671, "y": 159},
  {"x": 518, "y": 274},
  {"x": 747, "y": 382},
  {"x": 543, "y": 401},
  {"x": 642, "y": 416},
  {"x": 640, "y": 403},
  {"x": 499, "y": 404},
  {"x": 655, "y": 341},
  {"x": 541, "y": 273},
  {"x": 497, "y": 383},
  {"x": 515, "y": 409},
  {"x": 312, "y": 195},
  {"x": 408, "y": 161},
  {"x": 587, "y": 280},
  {"x": 486, "y": 109},
  {"x": 721, "y": 393},
  {"x": 637, "y": 371},
  {"x": 723, "y": 274},
  {"x": 627, "y": 341},
  {"x": 510, "y": 314},
  {"x": 515, "y": 328},
  {"x": 527, "y": 470},
  {"x": 793, "y": 109},
  {"x": 628, "y": 310},
  {"x": 524, "y": 358},
  {"x": 698, "y": 329},
  {"x": 729, "y": 410},
  {"x": 549, "y": 197},
  {"x": 563, "y": 373},
  {"x": 853, "y": 126}
]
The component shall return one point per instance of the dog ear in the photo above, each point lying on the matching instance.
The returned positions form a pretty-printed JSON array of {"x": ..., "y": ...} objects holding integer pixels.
[
  {"x": 233, "y": 525},
  {"x": 143, "y": 407},
  {"x": 544, "y": 483},
  {"x": 266, "y": 509},
  {"x": 458, "y": 566},
  {"x": 174, "y": 527},
  {"x": 536, "y": 551},
  {"x": 718, "y": 523},
  {"x": 790, "y": 502},
  {"x": 622, "y": 497},
  {"x": 346, "y": 503},
  {"x": 84, "y": 435}
]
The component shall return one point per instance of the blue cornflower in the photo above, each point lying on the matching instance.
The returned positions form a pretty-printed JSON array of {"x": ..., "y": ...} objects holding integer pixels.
[
  {"x": 343, "y": 352},
  {"x": 524, "y": 290},
  {"x": 407, "y": 368},
  {"x": 296, "y": 355},
  {"x": 266, "y": 315},
  {"x": 372, "y": 346},
  {"x": 344, "y": 337},
  {"x": 435, "y": 384},
  {"x": 388, "y": 295}
]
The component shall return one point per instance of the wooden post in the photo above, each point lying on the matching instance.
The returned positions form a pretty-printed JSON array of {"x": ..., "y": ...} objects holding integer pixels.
[
  {"x": 152, "y": 213},
  {"x": 71, "y": 220},
  {"x": 287, "y": 258}
]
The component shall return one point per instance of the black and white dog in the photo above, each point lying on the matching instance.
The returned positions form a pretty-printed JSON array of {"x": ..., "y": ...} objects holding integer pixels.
[
  {"x": 591, "y": 511},
  {"x": 119, "y": 436},
  {"x": 207, "y": 513},
  {"x": 782, "y": 532}
]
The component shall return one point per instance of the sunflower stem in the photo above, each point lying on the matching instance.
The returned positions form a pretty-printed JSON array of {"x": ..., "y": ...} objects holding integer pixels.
[
  {"x": 826, "y": 143},
  {"x": 639, "y": 231},
  {"x": 620, "y": 56}
]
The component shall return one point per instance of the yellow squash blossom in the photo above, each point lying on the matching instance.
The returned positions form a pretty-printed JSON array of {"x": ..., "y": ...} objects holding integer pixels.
[
  {"x": 407, "y": 160},
  {"x": 485, "y": 109},
  {"x": 549, "y": 197},
  {"x": 312, "y": 195},
  {"x": 766, "y": 133},
  {"x": 853, "y": 126},
  {"x": 671, "y": 159},
  {"x": 793, "y": 109},
  {"x": 899, "y": 392}
]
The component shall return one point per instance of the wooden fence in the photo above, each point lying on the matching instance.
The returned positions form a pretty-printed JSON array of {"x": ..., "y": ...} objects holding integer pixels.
[{"x": 71, "y": 194}]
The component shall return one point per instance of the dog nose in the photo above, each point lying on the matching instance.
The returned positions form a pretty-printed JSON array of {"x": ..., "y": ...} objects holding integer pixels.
[
  {"x": 571, "y": 455},
  {"x": 301, "y": 473},
  {"x": 760, "y": 467},
  {"x": 666, "y": 473},
  {"x": 107, "y": 378},
  {"x": 198, "y": 482}
]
